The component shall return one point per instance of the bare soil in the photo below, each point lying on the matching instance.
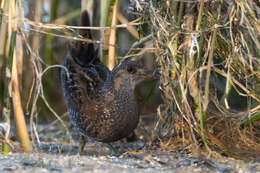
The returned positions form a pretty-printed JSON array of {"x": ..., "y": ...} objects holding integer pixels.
[{"x": 53, "y": 157}]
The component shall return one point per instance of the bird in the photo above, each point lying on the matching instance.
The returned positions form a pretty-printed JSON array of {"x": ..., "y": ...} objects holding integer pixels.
[{"x": 100, "y": 102}]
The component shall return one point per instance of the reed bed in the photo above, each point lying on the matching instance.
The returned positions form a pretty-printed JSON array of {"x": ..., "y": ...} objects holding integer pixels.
[{"x": 208, "y": 53}]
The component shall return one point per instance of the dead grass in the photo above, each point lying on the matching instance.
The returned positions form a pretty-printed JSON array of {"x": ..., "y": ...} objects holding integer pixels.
[{"x": 210, "y": 48}]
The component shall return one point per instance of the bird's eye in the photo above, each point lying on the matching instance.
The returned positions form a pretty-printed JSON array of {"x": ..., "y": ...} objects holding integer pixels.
[{"x": 131, "y": 69}]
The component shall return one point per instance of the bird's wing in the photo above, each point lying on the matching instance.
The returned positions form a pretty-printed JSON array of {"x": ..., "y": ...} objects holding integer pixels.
[{"x": 82, "y": 80}]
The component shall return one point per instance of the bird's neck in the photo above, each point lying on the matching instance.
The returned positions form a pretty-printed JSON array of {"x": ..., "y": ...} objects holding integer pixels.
[{"x": 122, "y": 83}]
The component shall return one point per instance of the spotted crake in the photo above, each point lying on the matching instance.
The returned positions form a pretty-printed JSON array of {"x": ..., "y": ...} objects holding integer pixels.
[{"x": 100, "y": 102}]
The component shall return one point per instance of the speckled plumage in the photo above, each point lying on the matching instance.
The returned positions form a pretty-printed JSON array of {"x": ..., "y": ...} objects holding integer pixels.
[{"x": 100, "y": 102}]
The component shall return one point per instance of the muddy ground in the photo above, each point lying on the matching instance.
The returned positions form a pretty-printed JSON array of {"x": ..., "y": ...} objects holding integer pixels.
[
  {"x": 54, "y": 152},
  {"x": 52, "y": 157},
  {"x": 160, "y": 161}
]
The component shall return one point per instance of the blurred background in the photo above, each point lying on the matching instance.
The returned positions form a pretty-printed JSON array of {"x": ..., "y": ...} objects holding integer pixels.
[{"x": 49, "y": 46}]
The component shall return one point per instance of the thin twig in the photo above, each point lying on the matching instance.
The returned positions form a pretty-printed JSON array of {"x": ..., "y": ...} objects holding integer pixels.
[{"x": 139, "y": 42}]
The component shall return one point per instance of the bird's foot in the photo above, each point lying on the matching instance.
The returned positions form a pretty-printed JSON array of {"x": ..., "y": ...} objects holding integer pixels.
[
  {"x": 82, "y": 143},
  {"x": 132, "y": 137},
  {"x": 113, "y": 150},
  {"x": 133, "y": 152}
]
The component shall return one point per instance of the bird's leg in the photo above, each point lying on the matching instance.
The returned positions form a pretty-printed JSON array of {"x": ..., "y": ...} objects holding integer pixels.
[
  {"x": 132, "y": 137},
  {"x": 82, "y": 143},
  {"x": 112, "y": 150}
]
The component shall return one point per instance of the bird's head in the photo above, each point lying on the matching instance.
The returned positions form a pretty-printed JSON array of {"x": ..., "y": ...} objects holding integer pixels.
[{"x": 130, "y": 73}]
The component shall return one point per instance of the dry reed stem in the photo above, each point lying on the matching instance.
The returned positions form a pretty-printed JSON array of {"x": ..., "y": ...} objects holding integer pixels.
[
  {"x": 18, "y": 111},
  {"x": 5, "y": 107},
  {"x": 35, "y": 46},
  {"x": 14, "y": 55},
  {"x": 3, "y": 36},
  {"x": 68, "y": 27},
  {"x": 112, "y": 38},
  {"x": 131, "y": 29},
  {"x": 210, "y": 60}
]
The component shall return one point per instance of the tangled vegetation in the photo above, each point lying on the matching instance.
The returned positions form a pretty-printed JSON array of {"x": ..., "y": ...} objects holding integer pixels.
[{"x": 209, "y": 56}]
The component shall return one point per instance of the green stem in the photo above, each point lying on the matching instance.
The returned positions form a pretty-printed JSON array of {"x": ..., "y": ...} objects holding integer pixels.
[
  {"x": 202, "y": 120},
  {"x": 210, "y": 60},
  {"x": 49, "y": 38},
  {"x": 179, "y": 26},
  {"x": 200, "y": 16},
  {"x": 1, "y": 16},
  {"x": 103, "y": 22},
  {"x": 252, "y": 119},
  {"x": 200, "y": 24},
  {"x": 5, "y": 148}
]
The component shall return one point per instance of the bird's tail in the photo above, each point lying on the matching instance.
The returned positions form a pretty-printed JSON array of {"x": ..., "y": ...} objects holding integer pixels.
[{"x": 83, "y": 52}]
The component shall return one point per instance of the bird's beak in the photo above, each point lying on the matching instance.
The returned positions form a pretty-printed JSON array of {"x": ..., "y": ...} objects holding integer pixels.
[
  {"x": 148, "y": 74},
  {"x": 145, "y": 73}
]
